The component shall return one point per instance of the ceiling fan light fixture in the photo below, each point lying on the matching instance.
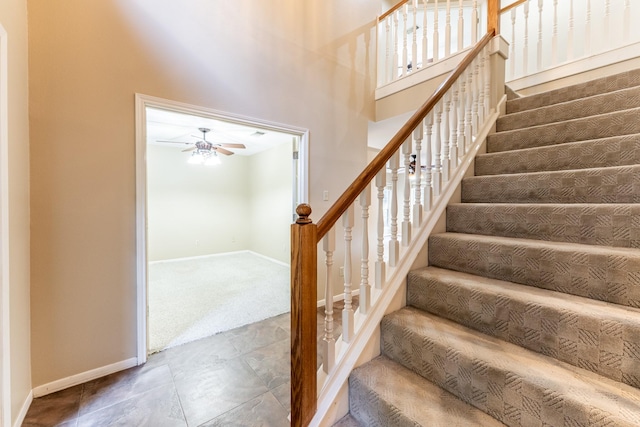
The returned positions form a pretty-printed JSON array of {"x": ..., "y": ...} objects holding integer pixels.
[
  {"x": 196, "y": 158},
  {"x": 212, "y": 160}
]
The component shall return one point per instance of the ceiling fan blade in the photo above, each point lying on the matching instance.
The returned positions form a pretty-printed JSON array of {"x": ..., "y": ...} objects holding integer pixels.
[
  {"x": 189, "y": 149},
  {"x": 222, "y": 150},
  {"x": 174, "y": 142},
  {"x": 231, "y": 145}
]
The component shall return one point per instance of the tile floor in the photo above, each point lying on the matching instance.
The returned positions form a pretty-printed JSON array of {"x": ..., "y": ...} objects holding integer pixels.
[{"x": 236, "y": 378}]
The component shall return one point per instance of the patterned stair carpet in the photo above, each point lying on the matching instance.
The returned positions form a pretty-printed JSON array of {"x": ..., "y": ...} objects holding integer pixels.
[{"x": 529, "y": 311}]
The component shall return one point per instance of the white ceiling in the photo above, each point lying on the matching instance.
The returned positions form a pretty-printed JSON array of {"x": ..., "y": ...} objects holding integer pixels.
[{"x": 182, "y": 129}]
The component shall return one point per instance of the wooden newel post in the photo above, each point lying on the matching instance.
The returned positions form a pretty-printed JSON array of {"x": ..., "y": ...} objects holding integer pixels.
[
  {"x": 493, "y": 16},
  {"x": 303, "y": 317}
]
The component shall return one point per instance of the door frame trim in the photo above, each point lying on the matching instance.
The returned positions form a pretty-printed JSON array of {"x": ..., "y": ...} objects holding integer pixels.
[{"x": 142, "y": 102}]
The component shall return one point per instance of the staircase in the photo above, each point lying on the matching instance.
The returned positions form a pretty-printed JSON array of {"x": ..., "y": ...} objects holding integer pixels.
[{"x": 529, "y": 313}]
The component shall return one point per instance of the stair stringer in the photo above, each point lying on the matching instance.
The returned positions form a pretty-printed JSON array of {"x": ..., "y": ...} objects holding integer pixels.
[{"x": 333, "y": 389}]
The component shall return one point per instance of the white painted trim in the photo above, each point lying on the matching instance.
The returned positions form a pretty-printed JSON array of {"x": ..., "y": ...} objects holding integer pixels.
[
  {"x": 329, "y": 396},
  {"x": 336, "y": 298},
  {"x": 142, "y": 102},
  {"x": 246, "y": 251},
  {"x": 23, "y": 410},
  {"x": 83, "y": 377},
  {"x": 273, "y": 260},
  {"x": 5, "y": 307},
  {"x": 578, "y": 66}
]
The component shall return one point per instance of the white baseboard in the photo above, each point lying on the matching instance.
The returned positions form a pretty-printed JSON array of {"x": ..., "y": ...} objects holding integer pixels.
[
  {"x": 83, "y": 377},
  {"x": 23, "y": 410},
  {"x": 188, "y": 258},
  {"x": 336, "y": 298},
  {"x": 269, "y": 258}
]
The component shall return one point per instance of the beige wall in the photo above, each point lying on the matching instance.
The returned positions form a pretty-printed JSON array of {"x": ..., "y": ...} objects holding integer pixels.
[
  {"x": 13, "y": 17},
  {"x": 195, "y": 209},
  {"x": 271, "y": 202},
  {"x": 301, "y": 63}
]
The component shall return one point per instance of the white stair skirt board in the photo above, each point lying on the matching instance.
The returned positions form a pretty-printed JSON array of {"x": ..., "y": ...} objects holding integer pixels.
[
  {"x": 195, "y": 298},
  {"x": 23, "y": 410}
]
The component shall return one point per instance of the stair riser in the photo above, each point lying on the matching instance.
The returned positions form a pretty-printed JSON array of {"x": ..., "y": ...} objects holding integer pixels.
[
  {"x": 583, "y": 90},
  {"x": 604, "y": 276},
  {"x": 486, "y": 384},
  {"x": 604, "y": 225},
  {"x": 369, "y": 409},
  {"x": 603, "y": 126},
  {"x": 607, "y": 185},
  {"x": 600, "y": 153},
  {"x": 604, "y": 346},
  {"x": 602, "y": 104}
]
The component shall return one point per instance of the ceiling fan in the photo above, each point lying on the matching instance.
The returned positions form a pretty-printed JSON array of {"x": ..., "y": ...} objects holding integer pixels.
[{"x": 206, "y": 148}]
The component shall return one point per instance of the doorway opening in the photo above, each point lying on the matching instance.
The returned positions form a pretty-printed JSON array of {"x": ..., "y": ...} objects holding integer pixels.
[{"x": 216, "y": 194}]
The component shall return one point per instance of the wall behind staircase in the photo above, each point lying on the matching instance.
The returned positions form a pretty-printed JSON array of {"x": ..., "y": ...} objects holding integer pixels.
[{"x": 304, "y": 64}]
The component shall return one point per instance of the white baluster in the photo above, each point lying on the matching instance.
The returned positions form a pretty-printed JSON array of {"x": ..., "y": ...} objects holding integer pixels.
[
  {"x": 446, "y": 132},
  {"x": 539, "y": 57},
  {"x": 626, "y": 23},
  {"x": 468, "y": 120},
  {"x": 436, "y": 35},
  {"x": 396, "y": 46},
  {"x": 437, "y": 148},
  {"x": 454, "y": 125},
  {"x": 460, "y": 26},
  {"x": 476, "y": 95},
  {"x": 347, "y": 312},
  {"x": 406, "y": 221},
  {"x": 329, "y": 352},
  {"x": 607, "y": 19},
  {"x": 417, "y": 176},
  {"x": 425, "y": 42},
  {"x": 480, "y": 77},
  {"x": 414, "y": 45},
  {"x": 487, "y": 83},
  {"x": 405, "y": 60},
  {"x": 365, "y": 288},
  {"x": 512, "y": 58},
  {"x": 461, "y": 115},
  {"x": 474, "y": 23},
  {"x": 447, "y": 31},
  {"x": 394, "y": 245},
  {"x": 381, "y": 183},
  {"x": 388, "y": 74},
  {"x": 554, "y": 39},
  {"x": 587, "y": 30},
  {"x": 525, "y": 50},
  {"x": 570, "y": 34},
  {"x": 428, "y": 191}
]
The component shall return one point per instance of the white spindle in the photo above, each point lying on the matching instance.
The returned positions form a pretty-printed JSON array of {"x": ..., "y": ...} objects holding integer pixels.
[
  {"x": 554, "y": 39},
  {"x": 388, "y": 57},
  {"x": 539, "y": 56},
  {"x": 468, "y": 120},
  {"x": 396, "y": 46},
  {"x": 512, "y": 58},
  {"x": 394, "y": 245},
  {"x": 436, "y": 35},
  {"x": 437, "y": 148},
  {"x": 406, "y": 211},
  {"x": 447, "y": 31},
  {"x": 460, "y": 26},
  {"x": 570, "y": 34},
  {"x": 365, "y": 288},
  {"x": 476, "y": 95},
  {"x": 381, "y": 183},
  {"x": 525, "y": 49},
  {"x": 347, "y": 312},
  {"x": 405, "y": 60},
  {"x": 329, "y": 352},
  {"x": 446, "y": 132},
  {"x": 474, "y": 23},
  {"x": 480, "y": 77},
  {"x": 461, "y": 106},
  {"x": 454, "y": 126},
  {"x": 414, "y": 44},
  {"x": 425, "y": 44},
  {"x": 417, "y": 176},
  {"x": 587, "y": 30},
  {"x": 487, "y": 82},
  {"x": 607, "y": 19},
  {"x": 627, "y": 21},
  {"x": 428, "y": 192}
]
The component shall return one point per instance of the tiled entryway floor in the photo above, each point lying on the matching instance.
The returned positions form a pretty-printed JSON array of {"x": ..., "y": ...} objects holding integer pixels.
[{"x": 236, "y": 378}]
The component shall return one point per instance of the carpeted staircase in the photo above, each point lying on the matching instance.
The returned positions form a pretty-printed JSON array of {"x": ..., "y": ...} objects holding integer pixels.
[{"x": 529, "y": 313}]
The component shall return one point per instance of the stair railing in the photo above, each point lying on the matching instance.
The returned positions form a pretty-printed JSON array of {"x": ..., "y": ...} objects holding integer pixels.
[
  {"x": 410, "y": 182},
  {"x": 547, "y": 34},
  {"x": 415, "y": 34}
]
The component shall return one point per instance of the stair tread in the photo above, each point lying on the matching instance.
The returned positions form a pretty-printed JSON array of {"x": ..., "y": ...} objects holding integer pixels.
[
  {"x": 603, "y": 152},
  {"x": 593, "y": 105},
  {"x": 618, "y": 123},
  {"x": 481, "y": 364},
  {"x": 419, "y": 401},
  {"x": 347, "y": 421}
]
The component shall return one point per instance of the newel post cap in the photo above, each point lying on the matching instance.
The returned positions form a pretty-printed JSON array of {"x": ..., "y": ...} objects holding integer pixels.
[{"x": 304, "y": 211}]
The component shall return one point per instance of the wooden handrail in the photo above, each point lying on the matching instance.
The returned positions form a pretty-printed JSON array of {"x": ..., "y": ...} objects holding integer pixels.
[
  {"x": 393, "y": 9},
  {"x": 512, "y": 5},
  {"x": 379, "y": 162}
]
